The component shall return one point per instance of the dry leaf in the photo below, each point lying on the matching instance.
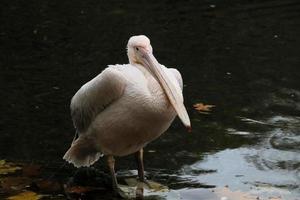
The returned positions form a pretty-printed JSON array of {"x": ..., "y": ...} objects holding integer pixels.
[
  {"x": 31, "y": 170},
  {"x": 46, "y": 186},
  {"x": 6, "y": 168},
  {"x": 81, "y": 189},
  {"x": 25, "y": 196},
  {"x": 203, "y": 108},
  {"x": 15, "y": 183}
]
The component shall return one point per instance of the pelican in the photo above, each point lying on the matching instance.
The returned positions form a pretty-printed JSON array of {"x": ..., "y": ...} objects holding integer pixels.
[{"x": 124, "y": 108}]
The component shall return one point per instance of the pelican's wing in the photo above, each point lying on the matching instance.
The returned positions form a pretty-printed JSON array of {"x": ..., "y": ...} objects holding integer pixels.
[
  {"x": 178, "y": 77},
  {"x": 94, "y": 96}
]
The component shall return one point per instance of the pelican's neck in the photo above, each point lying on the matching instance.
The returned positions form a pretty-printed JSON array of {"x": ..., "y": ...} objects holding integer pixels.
[
  {"x": 153, "y": 85},
  {"x": 140, "y": 67}
]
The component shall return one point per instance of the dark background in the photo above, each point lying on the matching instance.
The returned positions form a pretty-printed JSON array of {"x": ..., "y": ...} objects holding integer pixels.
[{"x": 241, "y": 55}]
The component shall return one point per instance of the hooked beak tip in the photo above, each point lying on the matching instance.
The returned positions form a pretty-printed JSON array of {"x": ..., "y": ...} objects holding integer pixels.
[{"x": 189, "y": 129}]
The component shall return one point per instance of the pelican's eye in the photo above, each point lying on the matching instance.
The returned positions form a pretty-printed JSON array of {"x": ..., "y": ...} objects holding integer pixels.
[{"x": 136, "y": 48}]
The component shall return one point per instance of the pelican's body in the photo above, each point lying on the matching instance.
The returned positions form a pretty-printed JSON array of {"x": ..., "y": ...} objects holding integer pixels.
[
  {"x": 140, "y": 113},
  {"x": 125, "y": 107}
]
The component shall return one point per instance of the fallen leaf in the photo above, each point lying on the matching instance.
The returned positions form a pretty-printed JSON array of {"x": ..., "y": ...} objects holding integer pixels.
[
  {"x": 14, "y": 183},
  {"x": 81, "y": 189},
  {"x": 203, "y": 108},
  {"x": 25, "y": 196},
  {"x": 46, "y": 186},
  {"x": 31, "y": 170},
  {"x": 6, "y": 168}
]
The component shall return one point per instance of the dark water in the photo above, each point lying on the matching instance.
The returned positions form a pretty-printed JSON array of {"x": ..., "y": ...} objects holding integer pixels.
[{"x": 242, "y": 56}]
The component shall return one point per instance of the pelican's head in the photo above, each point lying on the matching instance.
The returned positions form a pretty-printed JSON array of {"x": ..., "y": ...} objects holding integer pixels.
[
  {"x": 135, "y": 44},
  {"x": 139, "y": 51}
]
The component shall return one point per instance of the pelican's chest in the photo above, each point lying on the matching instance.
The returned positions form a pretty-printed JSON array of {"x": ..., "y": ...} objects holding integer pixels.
[
  {"x": 149, "y": 102},
  {"x": 145, "y": 99}
]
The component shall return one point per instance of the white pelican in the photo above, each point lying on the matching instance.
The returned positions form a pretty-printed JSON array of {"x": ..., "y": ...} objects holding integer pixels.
[{"x": 124, "y": 108}]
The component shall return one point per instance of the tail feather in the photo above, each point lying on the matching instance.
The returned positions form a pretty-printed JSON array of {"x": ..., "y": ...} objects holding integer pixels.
[{"x": 82, "y": 153}]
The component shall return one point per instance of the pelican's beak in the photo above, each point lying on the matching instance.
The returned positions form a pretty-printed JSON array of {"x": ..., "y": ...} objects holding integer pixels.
[{"x": 172, "y": 93}]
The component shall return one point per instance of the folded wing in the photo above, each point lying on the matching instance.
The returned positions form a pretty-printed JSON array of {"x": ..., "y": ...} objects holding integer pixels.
[
  {"x": 94, "y": 96},
  {"x": 178, "y": 77}
]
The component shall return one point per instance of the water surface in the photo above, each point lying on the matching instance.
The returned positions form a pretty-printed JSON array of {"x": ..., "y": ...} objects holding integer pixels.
[{"x": 242, "y": 56}]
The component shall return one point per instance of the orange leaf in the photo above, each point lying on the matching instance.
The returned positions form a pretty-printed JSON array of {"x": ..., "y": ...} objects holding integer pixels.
[
  {"x": 25, "y": 196},
  {"x": 203, "y": 108}
]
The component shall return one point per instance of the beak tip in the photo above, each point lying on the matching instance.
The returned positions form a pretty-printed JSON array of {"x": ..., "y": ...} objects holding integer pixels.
[{"x": 189, "y": 129}]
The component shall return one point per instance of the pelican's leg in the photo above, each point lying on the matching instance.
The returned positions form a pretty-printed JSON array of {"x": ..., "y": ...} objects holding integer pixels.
[
  {"x": 139, "y": 158},
  {"x": 111, "y": 165},
  {"x": 140, "y": 187}
]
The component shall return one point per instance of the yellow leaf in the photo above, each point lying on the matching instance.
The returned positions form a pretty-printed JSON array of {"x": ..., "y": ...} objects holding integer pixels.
[
  {"x": 25, "y": 196},
  {"x": 14, "y": 183},
  {"x": 6, "y": 168},
  {"x": 203, "y": 108}
]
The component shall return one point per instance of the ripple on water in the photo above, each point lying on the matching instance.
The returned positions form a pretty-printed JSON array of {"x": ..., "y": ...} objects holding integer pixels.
[
  {"x": 287, "y": 135},
  {"x": 285, "y": 140},
  {"x": 268, "y": 169},
  {"x": 233, "y": 131}
]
